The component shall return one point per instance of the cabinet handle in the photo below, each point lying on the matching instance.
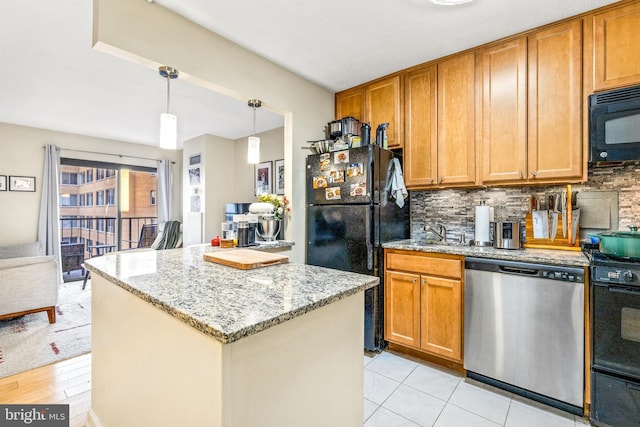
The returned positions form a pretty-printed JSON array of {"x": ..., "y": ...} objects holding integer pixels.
[
  {"x": 414, "y": 281},
  {"x": 534, "y": 174},
  {"x": 431, "y": 180},
  {"x": 441, "y": 179},
  {"x": 520, "y": 174}
]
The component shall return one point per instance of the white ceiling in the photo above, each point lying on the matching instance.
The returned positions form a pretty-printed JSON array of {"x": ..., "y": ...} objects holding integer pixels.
[{"x": 51, "y": 77}]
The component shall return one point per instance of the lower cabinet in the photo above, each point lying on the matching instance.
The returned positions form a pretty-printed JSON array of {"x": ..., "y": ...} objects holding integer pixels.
[{"x": 423, "y": 302}]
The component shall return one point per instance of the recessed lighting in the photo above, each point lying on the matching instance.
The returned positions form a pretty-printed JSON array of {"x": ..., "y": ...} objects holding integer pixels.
[{"x": 449, "y": 2}]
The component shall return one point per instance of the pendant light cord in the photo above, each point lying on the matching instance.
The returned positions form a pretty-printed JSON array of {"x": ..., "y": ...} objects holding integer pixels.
[{"x": 168, "y": 92}]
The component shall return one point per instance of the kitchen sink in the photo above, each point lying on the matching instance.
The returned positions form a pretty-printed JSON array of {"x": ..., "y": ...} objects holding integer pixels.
[{"x": 432, "y": 242}]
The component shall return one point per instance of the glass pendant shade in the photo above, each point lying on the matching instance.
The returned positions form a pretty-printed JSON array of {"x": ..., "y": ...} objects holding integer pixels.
[
  {"x": 253, "y": 150},
  {"x": 449, "y": 2},
  {"x": 168, "y": 131}
]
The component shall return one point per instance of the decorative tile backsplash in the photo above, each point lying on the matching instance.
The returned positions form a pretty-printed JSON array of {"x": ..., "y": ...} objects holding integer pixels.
[{"x": 456, "y": 208}]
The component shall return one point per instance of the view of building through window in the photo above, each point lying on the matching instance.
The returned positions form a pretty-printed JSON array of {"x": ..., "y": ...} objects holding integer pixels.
[{"x": 93, "y": 228}]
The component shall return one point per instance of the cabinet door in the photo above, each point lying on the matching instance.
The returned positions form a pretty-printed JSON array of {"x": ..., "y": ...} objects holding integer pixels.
[
  {"x": 442, "y": 317},
  {"x": 456, "y": 120},
  {"x": 402, "y": 308},
  {"x": 504, "y": 111},
  {"x": 350, "y": 103},
  {"x": 617, "y": 47},
  {"x": 382, "y": 105},
  {"x": 420, "y": 127},
  {"x": 555, "y": 103}
]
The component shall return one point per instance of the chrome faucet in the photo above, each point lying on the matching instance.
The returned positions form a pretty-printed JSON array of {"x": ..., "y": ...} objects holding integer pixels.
[{"x": 441, "y": 232}]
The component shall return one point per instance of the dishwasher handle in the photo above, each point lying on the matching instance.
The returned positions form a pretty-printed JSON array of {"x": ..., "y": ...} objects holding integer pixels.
[{"x": 519, "y": 271}]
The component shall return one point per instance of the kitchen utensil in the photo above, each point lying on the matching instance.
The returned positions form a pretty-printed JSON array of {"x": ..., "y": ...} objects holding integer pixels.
[
  {"x": 564, "y": 214},
  {"x": 350, "y": 126},
  {"x": 335, "y": 129},
  {"x": 575, "y": 225},
  {"x": 365, "y": 133},
  {"x": 623, "y": 244},
  {"x": 246, "y": 259},
  {"x": 540, "y": 224},
  {"x": 268, "y": 227},
  {"x": 381, "y": 135},
  {"x": 554, "y": 215}
]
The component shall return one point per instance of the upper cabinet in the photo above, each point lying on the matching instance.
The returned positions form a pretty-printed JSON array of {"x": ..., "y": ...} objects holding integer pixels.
[
  {"x": 555, "y": 103},
  {"x": 504, "y": 111},
  {"x": 456, "y": 120},
  {"x": 375, "y": 103},
  {"x": 420, "y": 143},
  {"x": 617, "y": 47},
  {"x": 350, "y": 103},
  {"x": 382, "y": 105}
]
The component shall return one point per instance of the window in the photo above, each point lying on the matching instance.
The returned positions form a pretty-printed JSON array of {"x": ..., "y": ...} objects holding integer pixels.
[
  {"x": 111, "y": 196},
  {"x": 111, "y": 225},
  {"x": 81, "y": 200},
  {"x": 100, "y": 198},
  {"x": 100, "y": 225},
  {"x": 80, "y": 176},
  {"x": 89, "y": 223},
  {"x": 68, "y": 178},
  {"x": 153, "y": 197},
  {"x": 69, "y": 223},
  {"x": 110, "y": 173},
  {"x": 68, "y": 200},
  {"x": 89, "y": 175},
  {"x": 89, "y": 199},
  {"x": 99, "y": 174}
]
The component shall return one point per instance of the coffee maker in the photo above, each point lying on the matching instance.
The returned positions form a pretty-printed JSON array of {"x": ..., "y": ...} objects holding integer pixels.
[{"x": 245, "y": 229}]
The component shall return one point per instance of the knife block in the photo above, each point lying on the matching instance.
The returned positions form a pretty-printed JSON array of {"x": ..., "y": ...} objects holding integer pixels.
[{"x": 560, "y": 242}]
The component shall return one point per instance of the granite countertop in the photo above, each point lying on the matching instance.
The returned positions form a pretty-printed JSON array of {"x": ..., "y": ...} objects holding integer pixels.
[
  {"x": 224, "y": 302},
  {"x": 541, "y": 256}
]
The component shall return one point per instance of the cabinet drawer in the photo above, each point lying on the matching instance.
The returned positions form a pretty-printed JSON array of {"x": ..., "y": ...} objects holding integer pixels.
[{"x": 425, "y": 264}]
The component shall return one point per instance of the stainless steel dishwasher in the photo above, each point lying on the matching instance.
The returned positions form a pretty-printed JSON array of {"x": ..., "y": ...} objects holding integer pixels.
[{"x": 524, "y": 329}]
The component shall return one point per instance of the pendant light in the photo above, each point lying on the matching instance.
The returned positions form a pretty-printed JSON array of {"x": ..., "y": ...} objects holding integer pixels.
[
  {"x": 449, "y": 2},
  {"x": 168, "y": 122},
  {"x": 253, "y": 145}
]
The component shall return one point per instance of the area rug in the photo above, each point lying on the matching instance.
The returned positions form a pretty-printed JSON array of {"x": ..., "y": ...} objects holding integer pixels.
[{"x": 30, "y": 341}]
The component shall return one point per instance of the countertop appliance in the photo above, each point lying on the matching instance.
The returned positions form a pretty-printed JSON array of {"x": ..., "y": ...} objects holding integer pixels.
[
  {"x": 524, "y": 329},
  {"x": 350, "y": 214},
  {"x": 615, "y": 328},
  {"x": 507, "y": 235},
  {"x": 614, "y": 125}
]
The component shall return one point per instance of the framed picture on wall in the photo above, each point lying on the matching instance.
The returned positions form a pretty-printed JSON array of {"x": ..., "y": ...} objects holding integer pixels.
[
  {"x": 22, "y": 183},
  {"x": 3, "y": 182},
  {"x": 278, "y": 176},
  {"x": 263, "y": 178}
]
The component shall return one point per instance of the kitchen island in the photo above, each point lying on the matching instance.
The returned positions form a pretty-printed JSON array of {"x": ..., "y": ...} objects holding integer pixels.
[{"x": 180, "y": 341}]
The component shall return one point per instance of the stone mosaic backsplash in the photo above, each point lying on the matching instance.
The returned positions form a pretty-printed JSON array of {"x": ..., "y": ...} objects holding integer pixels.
[{"x": 456, "y": 208}]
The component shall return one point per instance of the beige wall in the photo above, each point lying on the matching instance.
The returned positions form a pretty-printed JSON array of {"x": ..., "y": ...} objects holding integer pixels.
[
  {"x": 22, "y": 153},
  {"x": 151, "y": 36}
]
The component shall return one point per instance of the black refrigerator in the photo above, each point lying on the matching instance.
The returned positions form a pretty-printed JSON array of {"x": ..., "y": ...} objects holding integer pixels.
[{"x": 350, "y": 214}]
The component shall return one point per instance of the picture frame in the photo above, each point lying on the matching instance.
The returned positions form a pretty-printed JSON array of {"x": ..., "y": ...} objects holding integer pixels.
[
  {"x": 263, "y": 178},
  {"x": 3, "y": 182},
  {"x": 278, "y": 177},
  {"x": 22, "y": 183}
]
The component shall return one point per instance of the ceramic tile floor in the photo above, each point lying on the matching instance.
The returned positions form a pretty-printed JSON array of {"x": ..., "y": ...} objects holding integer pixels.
[{"x": 400, "y": 391}]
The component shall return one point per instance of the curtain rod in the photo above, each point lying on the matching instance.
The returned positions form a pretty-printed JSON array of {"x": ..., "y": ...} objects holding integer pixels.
[{"x": 107, "y": 154}]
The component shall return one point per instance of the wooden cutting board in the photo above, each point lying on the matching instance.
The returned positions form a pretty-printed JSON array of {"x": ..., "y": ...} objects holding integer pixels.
[{"x": 246, "y": 259}]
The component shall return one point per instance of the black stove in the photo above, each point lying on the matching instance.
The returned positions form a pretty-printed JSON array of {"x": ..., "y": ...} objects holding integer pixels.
[{"x": 615, "y": 328}]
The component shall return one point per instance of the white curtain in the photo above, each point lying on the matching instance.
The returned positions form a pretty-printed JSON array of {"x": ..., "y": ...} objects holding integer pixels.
[
  {"x": 165, "y": 183},
  {"x": 49, "y": 224}
]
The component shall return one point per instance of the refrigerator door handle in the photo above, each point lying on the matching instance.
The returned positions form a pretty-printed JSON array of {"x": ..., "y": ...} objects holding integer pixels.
[{"x": 368, "y": 242}]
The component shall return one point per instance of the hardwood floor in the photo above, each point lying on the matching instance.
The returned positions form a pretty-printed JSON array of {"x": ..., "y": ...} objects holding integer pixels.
[{"x": 66, "y": 382}]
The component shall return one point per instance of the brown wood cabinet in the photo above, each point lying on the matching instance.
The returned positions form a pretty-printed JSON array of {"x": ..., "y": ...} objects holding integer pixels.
[
  {"x": 504, "y": 111},
  {"x": 420, "y": 143},
  {"x": 456, "y": 120},
  {"x": 375, "y": 103},
  {"x": 555, "y": 103},
  {"x": 350, "y": 103},
  {"x": 617, "y": 47},
  {"x": 424, "y": 302},
  {"x": 382, "y": 105}
]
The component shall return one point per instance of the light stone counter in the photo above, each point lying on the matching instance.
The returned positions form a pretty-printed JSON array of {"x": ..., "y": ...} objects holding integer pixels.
[
  {"x": 224, "y": 302},
  {"x": 179, "y": 341},
  {"x": 541, "y": 256}
]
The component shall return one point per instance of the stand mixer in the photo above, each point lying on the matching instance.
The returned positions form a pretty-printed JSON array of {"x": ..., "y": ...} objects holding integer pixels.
[{"x": 268, "y": 226}]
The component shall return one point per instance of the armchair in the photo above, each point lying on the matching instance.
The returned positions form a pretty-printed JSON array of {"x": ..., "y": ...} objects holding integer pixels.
[{"x": 28, "y": 281}]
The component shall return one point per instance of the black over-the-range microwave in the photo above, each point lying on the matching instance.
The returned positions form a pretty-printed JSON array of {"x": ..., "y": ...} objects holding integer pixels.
[{"x": 614, "y": 125}]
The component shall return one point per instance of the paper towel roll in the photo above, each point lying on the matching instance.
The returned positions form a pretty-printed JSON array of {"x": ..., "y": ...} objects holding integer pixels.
[{"x": 483, "y": 218}]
